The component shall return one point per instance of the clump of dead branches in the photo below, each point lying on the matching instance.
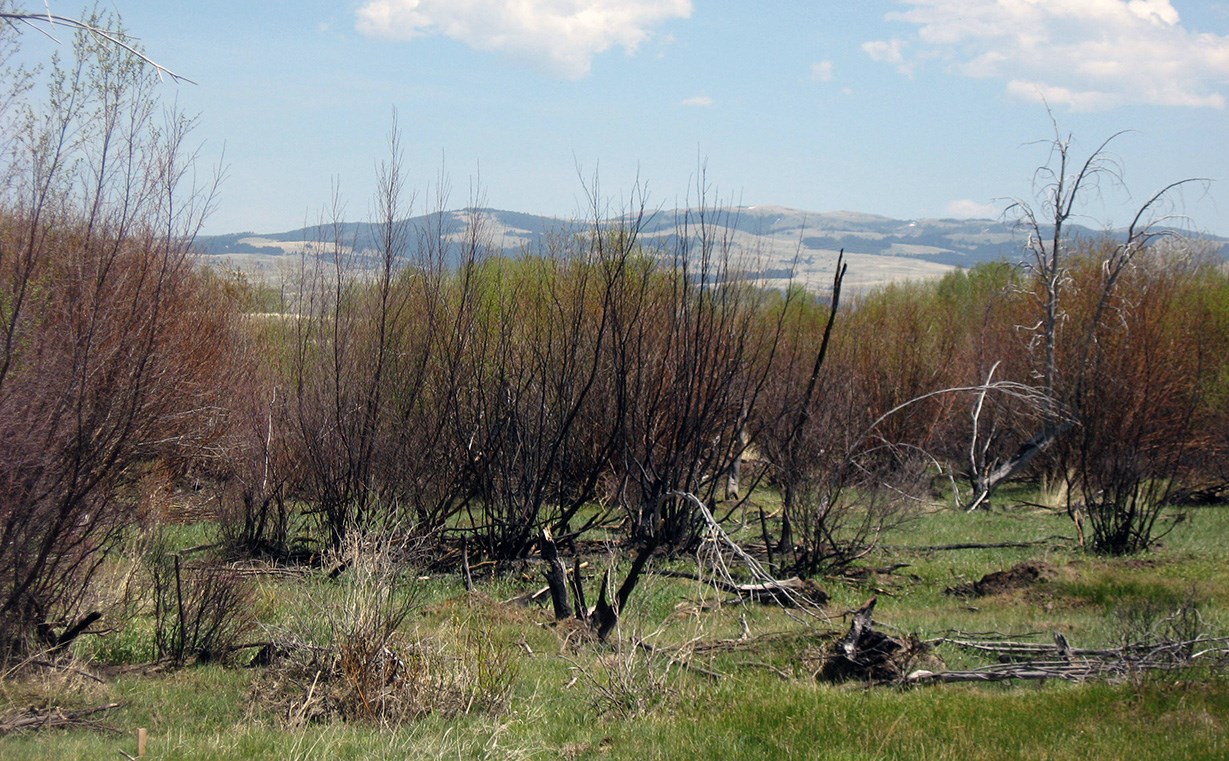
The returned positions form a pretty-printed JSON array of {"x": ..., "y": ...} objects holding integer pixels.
[
  {"x": 52, "y": 717},
  {"x": 1030, "y": 661},
  {"x": 1160, "y": 643},
  {"x": 868, "y": 655}
]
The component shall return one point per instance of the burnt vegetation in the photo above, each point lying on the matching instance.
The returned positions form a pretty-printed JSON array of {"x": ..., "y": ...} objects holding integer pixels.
[{"x": 595, "y": 408}]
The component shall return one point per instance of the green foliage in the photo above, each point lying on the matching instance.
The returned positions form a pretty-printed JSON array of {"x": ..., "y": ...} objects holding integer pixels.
[
  {"x": 965, "y": 291},
  {"x": 1113, "y": 593},
  {"x": 132, "y": 645}
]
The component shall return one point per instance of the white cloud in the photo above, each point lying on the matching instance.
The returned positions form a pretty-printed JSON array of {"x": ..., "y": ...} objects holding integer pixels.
[
  {"x": 821, "y": 71},
  {"x": 966, "y": 209},
  {"x": 889, "y": 51},
  {"x": 564, "y": 35},
  {"x": 1087, "y": 54},
  {"x": 697, "y": 101}
]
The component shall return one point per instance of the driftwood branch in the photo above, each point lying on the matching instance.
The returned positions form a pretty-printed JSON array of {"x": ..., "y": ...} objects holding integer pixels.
[{"x": 784, "y": 594}]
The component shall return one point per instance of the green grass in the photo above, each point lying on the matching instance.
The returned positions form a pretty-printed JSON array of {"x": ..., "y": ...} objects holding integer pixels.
[
  {"x": 766, "y": 704},
  {"x": 203, "y": 716}
]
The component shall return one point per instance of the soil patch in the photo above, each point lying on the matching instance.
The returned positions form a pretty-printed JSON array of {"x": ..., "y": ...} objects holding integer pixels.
[{"x": 1019, "y": 576}]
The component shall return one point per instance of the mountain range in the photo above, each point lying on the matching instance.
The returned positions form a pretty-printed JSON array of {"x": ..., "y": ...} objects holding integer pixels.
[{"x": 773, "y": 243}]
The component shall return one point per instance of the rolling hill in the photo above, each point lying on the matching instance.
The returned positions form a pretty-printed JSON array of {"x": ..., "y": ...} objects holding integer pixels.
[{"x": 774, "y": 244}]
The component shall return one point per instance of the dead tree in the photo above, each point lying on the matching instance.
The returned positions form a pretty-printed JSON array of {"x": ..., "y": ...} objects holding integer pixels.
[
  {"x": 1064, "y": 184},
  {"x": 791, "y": 471}
]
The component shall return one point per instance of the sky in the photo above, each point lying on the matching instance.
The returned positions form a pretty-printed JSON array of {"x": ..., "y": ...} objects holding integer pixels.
[{"x": 905, "y": 108}]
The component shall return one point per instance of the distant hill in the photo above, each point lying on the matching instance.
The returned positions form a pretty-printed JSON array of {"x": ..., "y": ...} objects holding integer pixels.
[{"x": 774, "y": 243}]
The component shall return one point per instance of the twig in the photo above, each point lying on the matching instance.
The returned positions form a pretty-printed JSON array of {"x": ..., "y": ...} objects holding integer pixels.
[
  {"x": 651, "y": 650},
  {"x": 776, "y": 591},
  {"x": 61, "y": 667},
  {"x": 779, "y": 672}
]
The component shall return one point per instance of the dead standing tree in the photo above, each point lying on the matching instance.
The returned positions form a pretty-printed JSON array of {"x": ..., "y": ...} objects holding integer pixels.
[
  {"x": 1064, "y": 184},
  {"x": 791, "y": 472}
]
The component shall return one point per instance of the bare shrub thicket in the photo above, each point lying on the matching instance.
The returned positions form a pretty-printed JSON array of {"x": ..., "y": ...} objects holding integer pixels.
[
  {"x": 108, "y": 346},
  {"x": 536, "y": 363},
  {"x": 1145, "y": 371},
  {"x": 847, "y": 426},
  {"x": 433, "y": 380},
  {"x": 201, "y": 610},
  {"x": 250, "y": 485},
  {"x": 691, "y": 356},
  {"x": 364, "y": 401},
  {"x": 418, "y": 381},
  {"x": 429, "y": 380}
]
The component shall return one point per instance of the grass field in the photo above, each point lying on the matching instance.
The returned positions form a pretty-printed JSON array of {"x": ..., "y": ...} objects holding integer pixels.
[{"x": 692, "y": 675}]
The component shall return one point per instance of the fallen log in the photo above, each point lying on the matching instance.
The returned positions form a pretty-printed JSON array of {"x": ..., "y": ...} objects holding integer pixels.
[
  {"x": 1057, "y": 538},
  {"x": 1075, "y": 664},
  {"x": 785, "y": 592}
]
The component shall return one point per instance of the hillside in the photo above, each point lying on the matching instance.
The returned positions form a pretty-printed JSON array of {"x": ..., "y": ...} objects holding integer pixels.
[{"x": 775, "y": 243}]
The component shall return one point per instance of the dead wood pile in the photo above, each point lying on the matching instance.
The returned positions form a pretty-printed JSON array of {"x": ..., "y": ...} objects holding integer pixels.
[{"x": 51, "y": 717}]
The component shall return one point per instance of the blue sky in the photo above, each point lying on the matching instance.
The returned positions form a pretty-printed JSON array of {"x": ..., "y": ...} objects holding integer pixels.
[{"x": 911, "y": 108}]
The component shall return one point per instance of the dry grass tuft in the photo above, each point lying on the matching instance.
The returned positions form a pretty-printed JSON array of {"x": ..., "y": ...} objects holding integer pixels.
[{"x": 363, "y": 666}]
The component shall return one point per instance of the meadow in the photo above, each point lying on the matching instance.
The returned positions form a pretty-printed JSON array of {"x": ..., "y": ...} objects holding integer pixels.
[{"x": 693, "y": 671}]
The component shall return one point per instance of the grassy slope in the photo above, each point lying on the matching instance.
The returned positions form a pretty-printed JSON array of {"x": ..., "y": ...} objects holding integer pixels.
[{"x": 754, "y": 712}]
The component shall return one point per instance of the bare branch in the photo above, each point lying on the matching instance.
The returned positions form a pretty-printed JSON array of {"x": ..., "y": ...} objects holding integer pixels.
[{"x": 114, "y": 38}]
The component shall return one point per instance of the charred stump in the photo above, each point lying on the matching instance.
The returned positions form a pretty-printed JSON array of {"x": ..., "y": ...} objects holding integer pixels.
[
  {"x": 556, "y": 576},
  {"x": 863, "y": 653},
  {"x": 604, "y": 616}
]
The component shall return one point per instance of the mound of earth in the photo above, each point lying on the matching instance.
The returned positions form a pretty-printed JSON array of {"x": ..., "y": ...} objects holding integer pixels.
[{"x": 1019, "y": 576}]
